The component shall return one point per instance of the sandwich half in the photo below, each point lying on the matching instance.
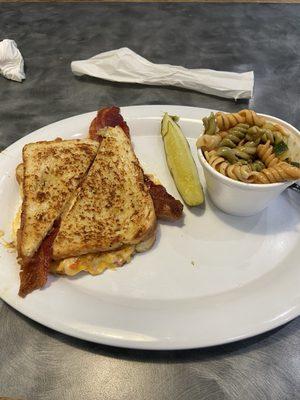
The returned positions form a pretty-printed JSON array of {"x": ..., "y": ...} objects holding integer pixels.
[
  {"x": 166, "y": 206},
  {"x": 113, "y": 206},
  {"x": 50, "y": 174}
]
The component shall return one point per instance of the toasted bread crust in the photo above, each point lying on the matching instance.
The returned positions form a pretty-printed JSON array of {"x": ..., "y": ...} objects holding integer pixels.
[
  {"x": 20, "y": 173},
  {"x": 113, "y": 206},
  {"x": 52, "y": 172}
]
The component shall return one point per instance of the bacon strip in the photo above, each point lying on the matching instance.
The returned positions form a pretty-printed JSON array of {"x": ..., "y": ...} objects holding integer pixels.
[
  {"x": 166, "y": 206},
  {"x": 34, "y": 272},
  {"x": 108, "y": 116}
]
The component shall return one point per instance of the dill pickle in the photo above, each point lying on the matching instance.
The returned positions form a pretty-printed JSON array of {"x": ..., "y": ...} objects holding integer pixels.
[{"x": 181, "y": 163}]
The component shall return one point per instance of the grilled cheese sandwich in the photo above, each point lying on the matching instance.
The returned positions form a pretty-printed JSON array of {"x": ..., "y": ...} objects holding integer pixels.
[{"x": 87, "y": 204}]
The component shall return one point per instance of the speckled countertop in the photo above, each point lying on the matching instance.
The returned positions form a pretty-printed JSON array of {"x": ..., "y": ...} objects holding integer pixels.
[{"x": 38, "y": 363}]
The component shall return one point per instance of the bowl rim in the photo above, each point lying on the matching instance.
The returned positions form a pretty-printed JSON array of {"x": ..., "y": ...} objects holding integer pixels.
[{"x": 245, "y": 185}]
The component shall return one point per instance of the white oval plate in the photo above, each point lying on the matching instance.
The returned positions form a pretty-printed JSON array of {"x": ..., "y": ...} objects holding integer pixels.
[{"x": 211, "y": 279}]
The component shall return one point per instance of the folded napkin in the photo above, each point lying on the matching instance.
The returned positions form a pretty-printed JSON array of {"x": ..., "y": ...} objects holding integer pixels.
[
  {"x": 11, "y": 61},
  {"x": 124, "y": 65}
]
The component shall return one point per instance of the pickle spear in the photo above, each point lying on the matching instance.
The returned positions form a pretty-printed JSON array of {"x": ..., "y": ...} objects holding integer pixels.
[{"x": 180, "y": 162}]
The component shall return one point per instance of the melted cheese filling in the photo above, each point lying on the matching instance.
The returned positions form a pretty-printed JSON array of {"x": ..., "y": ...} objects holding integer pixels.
[
  {"x": 95, "y": 264},
  {"x": 16, "y": 225}
]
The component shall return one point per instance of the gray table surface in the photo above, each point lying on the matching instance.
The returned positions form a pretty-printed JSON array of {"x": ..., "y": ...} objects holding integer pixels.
[{"x": 38, "y": 363}]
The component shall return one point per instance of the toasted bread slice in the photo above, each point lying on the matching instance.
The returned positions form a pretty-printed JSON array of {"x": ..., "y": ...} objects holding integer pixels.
[
  {"x": 113, "y": 207},
  {"x": 51, "y": 173}
]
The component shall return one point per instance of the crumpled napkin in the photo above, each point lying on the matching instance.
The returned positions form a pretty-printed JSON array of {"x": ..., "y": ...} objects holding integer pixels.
[
  {"x": 11, "y": 61},
  {"x": 124, "y": 65}
]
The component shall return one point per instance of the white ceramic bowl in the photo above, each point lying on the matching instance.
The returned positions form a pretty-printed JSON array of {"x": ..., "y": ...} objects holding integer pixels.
[{"x": 239, "y": 198}]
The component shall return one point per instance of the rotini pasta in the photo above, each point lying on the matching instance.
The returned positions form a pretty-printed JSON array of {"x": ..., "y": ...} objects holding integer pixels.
[
  {"x": 274, "y": 127},
  {"x": 265, "y": 134},
  {"x": 266, "y": 154},
  {"x": 208, "y": 142},
  {"x": 257, "y": 165},
  {"x": 251, "y": 118},
  {"x": 274, "y": 137},
  {"x": 214, "y": 159},
  {"x": 234, "y": 135},
  {"x": 227, "y": 153},
  {"x": 254, "y": 134},
  {"x": 210, "y": 126},
  {"x": 244, "y": 146},
  {"x": 226, "y": 121},
  {"x": 240, "y": 173},
  {"x": 246, "y": 151},
  {"x": 234, "y": 171},
  {"x": 278, "y": 173}
]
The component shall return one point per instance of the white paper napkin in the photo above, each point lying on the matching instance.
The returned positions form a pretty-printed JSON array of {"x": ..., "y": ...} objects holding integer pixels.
[
  {"x": 124, "y": 65},
  {"x": 11, "y": 61}
]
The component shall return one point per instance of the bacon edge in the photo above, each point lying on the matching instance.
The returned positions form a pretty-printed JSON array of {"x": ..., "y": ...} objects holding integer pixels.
[
  {"x": 34, "y": 271},
  {"x": 108, "y": 116},
  {"x": 165, "y": 205}
]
